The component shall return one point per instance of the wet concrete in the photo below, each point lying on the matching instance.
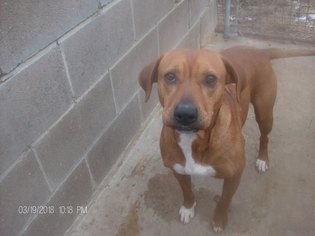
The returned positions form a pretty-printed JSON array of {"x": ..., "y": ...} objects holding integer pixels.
[{"x": 141, "y": 197}]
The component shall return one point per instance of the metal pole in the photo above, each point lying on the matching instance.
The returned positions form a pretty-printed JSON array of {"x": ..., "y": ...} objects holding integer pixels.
[
  {"x": 237, "y": 16},
  {"x": 227, "y": 19}
]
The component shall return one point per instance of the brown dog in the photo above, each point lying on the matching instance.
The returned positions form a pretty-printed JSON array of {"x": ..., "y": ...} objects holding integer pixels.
[{"x": 205, "y": 98}]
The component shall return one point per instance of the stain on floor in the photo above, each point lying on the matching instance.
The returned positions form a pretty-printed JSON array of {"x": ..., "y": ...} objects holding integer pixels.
[
  {"x": 163, "y": 196},
  {"x": 130, "y": 225}
]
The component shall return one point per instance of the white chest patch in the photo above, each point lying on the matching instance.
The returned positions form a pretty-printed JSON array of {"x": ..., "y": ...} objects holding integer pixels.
[{"x": 191, "y": 167}]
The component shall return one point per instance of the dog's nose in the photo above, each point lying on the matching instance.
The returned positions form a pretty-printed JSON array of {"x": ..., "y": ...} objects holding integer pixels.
[{"x": 186, "y": 113}]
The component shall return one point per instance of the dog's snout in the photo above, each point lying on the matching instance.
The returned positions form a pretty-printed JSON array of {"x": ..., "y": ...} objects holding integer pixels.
[{"x": 186, "y": 113}]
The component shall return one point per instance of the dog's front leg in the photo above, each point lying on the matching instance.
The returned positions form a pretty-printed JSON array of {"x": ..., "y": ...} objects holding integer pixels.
[
  {"x": 187, "y": 210},
  {"x": 221, "y": 211}
]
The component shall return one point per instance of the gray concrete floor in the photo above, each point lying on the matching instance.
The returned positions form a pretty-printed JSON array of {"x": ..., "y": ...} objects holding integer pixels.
[{"x": 141, "y": 197}]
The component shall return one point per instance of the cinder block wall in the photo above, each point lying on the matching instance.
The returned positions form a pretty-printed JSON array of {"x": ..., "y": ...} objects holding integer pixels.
[{"x": 69, "y": 98}]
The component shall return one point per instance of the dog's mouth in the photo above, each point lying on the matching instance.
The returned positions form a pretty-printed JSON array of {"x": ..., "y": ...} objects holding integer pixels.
[
  {"x": 185, "y": 129},
  {"x": 182, "y": 127}
]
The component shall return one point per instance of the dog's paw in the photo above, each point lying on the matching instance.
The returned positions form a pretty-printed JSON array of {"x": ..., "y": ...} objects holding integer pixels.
[
  {"x": 219, "y": 222},
  {"x": 186, "y": 214},
  {"x": 261, "y": 166},
  {"x": 217, "y": 229}
]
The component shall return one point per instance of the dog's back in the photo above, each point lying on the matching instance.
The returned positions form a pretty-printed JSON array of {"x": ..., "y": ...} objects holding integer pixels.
[{"x": 255, "y": 73}]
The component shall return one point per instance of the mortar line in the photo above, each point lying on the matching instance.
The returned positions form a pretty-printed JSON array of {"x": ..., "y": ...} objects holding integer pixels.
[
  {"x": 34, "y": 216},
  {"x": 28, "y": 62},
  {"x": 90, "y": 172},
  {"x": 133, "y": 20},
  {"x": 22, "y": 65},
  {"x": 91, "y": 87},
  {"x": 15, "y": 163},
  {"x": 67, "y": 72},
  {"x": 113, "y": 91},
  {"x": 135, "y": 44},
  {"x": 199, "y": 31},
  {"x": 53, "y": 124},
  {"x": 72, "y": 105},
  {"x": 106, "y": 127},
  {"x": 189, "y": 14},
  {"x": 158, "y": 38},
  {"x": 42, "y": 169}
]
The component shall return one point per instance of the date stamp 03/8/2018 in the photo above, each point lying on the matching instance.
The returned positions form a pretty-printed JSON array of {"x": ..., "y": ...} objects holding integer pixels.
[{"x": 43, "y": 210}]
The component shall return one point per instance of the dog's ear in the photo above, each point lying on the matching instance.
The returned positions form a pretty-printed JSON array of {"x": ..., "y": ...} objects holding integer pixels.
[
  {"x": 232, "y": 76},
  {"x": 148, "y": 76}
]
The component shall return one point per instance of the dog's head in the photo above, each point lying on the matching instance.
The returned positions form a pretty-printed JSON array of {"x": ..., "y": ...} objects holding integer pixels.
[{"x": 190, "y": 86}]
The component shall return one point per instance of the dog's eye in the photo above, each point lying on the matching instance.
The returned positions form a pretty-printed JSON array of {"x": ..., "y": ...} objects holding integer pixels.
[
  {"x": 170, "y": 78},
  {"x": 210, "y": 81}
]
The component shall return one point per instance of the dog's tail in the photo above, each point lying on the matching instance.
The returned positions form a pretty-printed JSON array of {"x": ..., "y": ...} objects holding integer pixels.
[{"x": 275, "y": 53}]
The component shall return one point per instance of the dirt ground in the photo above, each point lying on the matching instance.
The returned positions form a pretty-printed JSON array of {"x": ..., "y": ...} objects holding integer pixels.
[{"x": 141, "y": 197}]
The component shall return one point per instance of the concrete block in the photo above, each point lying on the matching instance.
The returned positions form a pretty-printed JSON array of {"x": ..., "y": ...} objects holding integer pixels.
[
  {"x": 125, "y": 73},
  {"x": 148, "y": 12},
  {"x": 108, "y": 148},
  {"x": 29, "y": 103},
  {"x": 29, "y": 26},
  {"x": 68, "y": 202},
  {"x": 94, "y": 48},
  {"x": 65, "y": 144},
  {"x": 192, "y": 38},
  {"x": 208, "y": 22},
  {"x": 24, "y": 186},
  {"x": 173, "y": 27}
]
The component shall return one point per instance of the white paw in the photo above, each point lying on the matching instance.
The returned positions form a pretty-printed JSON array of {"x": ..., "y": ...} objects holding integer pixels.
[
  {"x": 261, "y": 166},
  {"x": 217, "y": 229},
  {"x": 186, "y": 214}
]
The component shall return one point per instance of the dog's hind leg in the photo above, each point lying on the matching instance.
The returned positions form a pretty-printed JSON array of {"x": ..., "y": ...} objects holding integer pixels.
[
  {"x": 220, "y": 217},
  {"x": 263, "y": 101}
]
